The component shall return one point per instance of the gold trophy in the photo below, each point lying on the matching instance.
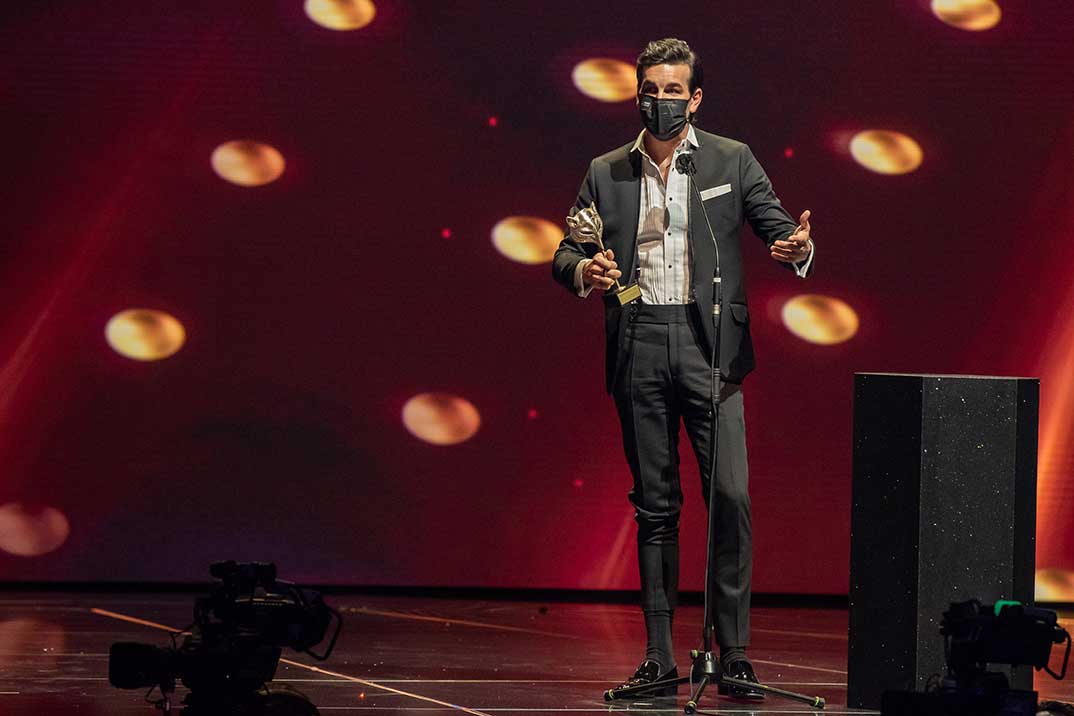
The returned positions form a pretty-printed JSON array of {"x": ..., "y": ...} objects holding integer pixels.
[{"x": 587, "y": 228}]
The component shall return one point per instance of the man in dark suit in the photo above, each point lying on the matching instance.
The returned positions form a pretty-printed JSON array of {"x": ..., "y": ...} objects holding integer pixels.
[{"x": 659, "y": 347}]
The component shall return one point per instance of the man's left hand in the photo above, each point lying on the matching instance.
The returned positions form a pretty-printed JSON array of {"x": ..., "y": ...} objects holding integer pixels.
[{"x": 796, "y": 247}]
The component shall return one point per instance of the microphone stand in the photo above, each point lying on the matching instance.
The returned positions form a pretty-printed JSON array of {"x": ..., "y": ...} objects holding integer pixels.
[{"x": 706, "y": 666}]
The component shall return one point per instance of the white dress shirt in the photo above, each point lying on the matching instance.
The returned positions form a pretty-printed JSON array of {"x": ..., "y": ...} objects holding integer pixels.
[
  {"x": 663, "y": 250},
  {"x": 663, "y": 226}
]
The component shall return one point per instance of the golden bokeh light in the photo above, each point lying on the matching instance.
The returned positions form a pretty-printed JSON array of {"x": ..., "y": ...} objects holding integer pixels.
[
  {"x": 29, "y": 532},
  {"x": 247, "y": 163},
  {"x": 341, "y": 14},
  {"x": 973, "y": 15},
  {"x": 144, "y": 334},
  {"x": 441, "y": 419},
  {"x": 1055, "y": 585},
  {"x": 527, "y": 239},
  {"x": 886, "y": 152},
  {"x": 606, "y": 80},
  {"x": 820, "y": 319}
]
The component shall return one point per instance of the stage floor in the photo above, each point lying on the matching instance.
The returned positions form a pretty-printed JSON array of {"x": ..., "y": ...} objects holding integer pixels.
[{"x": 423, "y": 656}]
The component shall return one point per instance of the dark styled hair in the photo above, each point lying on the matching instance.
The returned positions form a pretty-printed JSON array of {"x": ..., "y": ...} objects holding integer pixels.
[{"x": 671, "y": 51}]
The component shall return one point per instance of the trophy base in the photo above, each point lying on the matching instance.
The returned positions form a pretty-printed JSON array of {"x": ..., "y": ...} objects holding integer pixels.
[{"x": 627, "y": 294}]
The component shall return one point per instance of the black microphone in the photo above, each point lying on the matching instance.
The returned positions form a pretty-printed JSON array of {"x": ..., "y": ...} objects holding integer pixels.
[{"x": 685, "y": 164}]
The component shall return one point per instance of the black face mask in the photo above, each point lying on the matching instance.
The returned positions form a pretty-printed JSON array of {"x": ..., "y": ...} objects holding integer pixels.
[{"x": 664, "y": 118}]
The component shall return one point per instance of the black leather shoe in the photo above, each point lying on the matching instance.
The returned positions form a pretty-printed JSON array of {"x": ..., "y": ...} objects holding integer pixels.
[
  {"x": 743, "y": 671},
  {"x": 647, "y": 673}
]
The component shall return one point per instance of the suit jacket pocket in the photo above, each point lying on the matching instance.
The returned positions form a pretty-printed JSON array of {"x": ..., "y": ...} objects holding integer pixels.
[
  {"x": 715, "y": 191},
  {"x": 736, "y": 348},
  {"x": 740, "y": 312}
]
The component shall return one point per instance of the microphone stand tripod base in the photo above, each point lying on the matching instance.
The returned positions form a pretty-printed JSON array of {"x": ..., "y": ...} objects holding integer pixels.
[{"x": 705, "y": 670}]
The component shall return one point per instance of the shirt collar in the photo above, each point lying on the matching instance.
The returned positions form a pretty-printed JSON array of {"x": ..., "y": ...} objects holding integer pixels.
[{"x": 691, "y": 139}]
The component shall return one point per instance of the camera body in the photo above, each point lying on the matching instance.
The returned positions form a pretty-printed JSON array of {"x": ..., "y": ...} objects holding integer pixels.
[
  {"x": 976, "y": 635},
  {"x": 234, "y": 645}
]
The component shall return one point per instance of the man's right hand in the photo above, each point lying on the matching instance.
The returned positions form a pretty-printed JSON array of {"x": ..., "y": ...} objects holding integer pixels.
[{"x": 601, "y": 271}]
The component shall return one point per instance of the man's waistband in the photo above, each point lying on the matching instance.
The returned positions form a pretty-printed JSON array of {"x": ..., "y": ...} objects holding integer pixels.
[{"x": 674, "y": 313}]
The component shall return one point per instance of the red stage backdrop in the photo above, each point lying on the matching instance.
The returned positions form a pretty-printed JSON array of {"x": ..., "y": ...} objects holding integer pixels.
[{"x": 275, "y": 275}]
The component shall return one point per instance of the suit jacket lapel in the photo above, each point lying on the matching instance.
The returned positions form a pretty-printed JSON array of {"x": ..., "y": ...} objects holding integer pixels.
[
  {"x": 626, "y": 178},
  {"x": 634, "y": 213},
  {"x": 704, "y": 256}
]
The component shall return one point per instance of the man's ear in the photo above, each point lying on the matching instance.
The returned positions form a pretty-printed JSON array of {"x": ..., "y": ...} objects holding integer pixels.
[{"x": 695, "y": 101}]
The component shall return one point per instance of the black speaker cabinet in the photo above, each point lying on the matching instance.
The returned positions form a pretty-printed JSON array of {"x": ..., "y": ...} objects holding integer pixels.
[{"x": 944, "y": 510}]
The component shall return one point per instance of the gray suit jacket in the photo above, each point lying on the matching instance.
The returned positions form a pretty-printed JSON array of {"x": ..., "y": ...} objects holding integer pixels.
[{"x": 614, "y": 183}]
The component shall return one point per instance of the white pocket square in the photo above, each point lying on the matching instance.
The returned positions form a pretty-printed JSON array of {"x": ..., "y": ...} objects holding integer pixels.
[{"x": 715, "y": 191}]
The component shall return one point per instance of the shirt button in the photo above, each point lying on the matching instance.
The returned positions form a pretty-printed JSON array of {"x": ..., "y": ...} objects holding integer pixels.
[
  {"x": 669, "y": 265},
  {"x": 671, "y": 198}
]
